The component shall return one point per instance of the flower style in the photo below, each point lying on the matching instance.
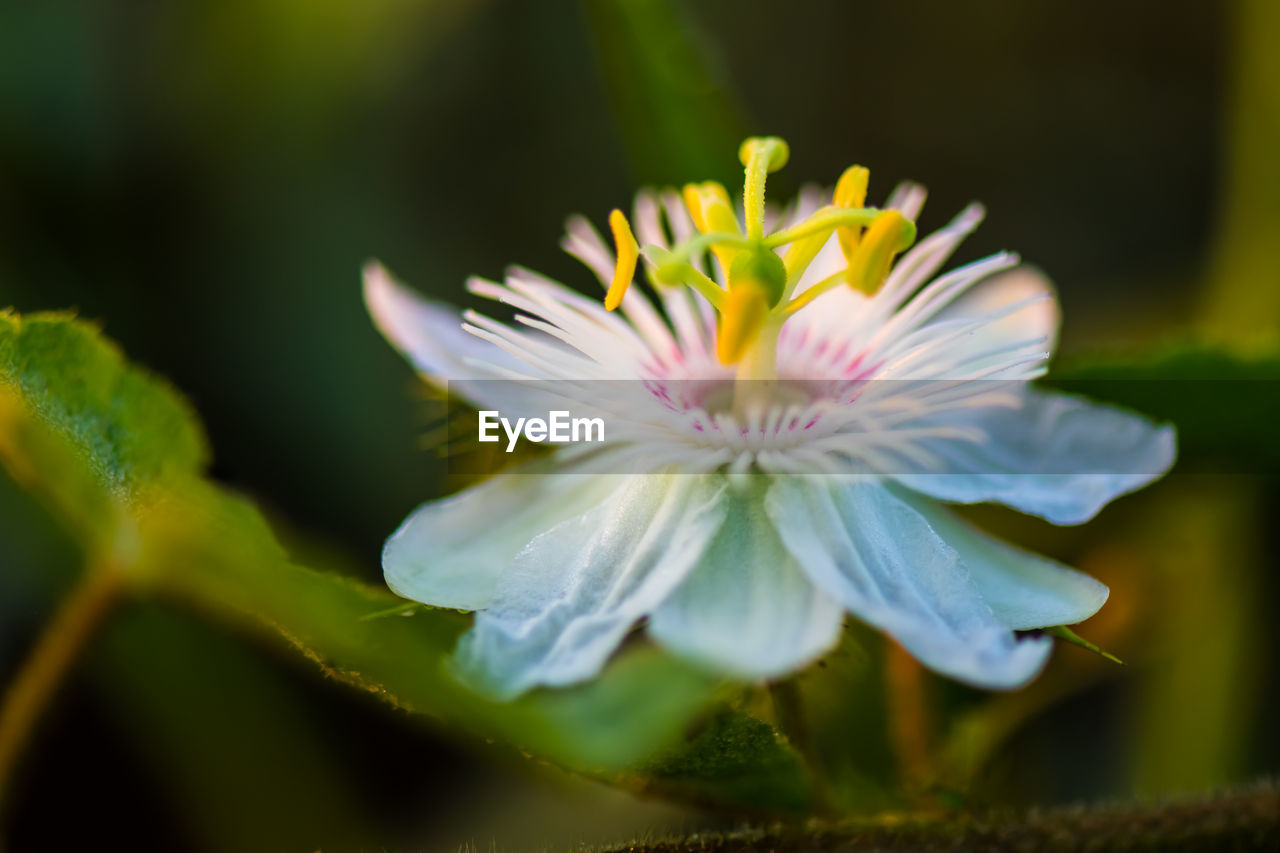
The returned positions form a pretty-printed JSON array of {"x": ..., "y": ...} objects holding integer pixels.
[{"x": 809, "y": 402}]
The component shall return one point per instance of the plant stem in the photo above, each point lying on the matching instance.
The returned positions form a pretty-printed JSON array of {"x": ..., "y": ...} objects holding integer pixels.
[
  {"x": 54, "y": 654},
  {"x": 789, "y": 716},
  {"x": 910, "y": 726}
]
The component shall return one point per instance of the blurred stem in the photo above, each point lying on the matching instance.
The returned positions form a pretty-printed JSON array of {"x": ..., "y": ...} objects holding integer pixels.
[
  {"x": 790, "y": 718},
  {"x": 1195, "y": 713},
  {"x": 976, "y": 736},
  {"x": 1242, "y": 299},
  {"x": 55, "y": 651},
  {"x": 910, "y": 723},
  {"x": 672, "y": 98}
]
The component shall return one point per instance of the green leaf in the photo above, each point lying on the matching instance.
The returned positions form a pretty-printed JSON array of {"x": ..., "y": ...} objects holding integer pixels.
[
  {"x": 119, "y": 458},
  {"x": 640, "y": 703},
  {"x": 1185, "y": 360},
  {"x": 1224, "y": 404},
  {"x": 131, "y": 428},
  {"x": 735, "y": 761},
  {"x": 258, "y": 774}
]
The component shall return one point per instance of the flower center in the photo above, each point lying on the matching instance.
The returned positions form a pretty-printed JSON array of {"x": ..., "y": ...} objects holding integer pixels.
[{"x": 754, "y": 291}]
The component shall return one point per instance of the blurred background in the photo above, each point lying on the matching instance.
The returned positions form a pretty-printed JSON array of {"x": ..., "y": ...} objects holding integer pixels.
[{"x": 205, "y": 179}]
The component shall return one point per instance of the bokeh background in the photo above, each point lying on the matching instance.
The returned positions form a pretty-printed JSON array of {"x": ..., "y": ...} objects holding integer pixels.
[{"x": 205, "y": 179}]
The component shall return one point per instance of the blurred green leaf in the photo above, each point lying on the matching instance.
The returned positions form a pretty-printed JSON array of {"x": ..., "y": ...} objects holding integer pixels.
[
  {"x": 86, "y": 432},
  {"x": 1224, "y": 404},
  {"x": 637, "y": 705},
  {"x": 129, "y": 427},
  {"x": 1186, "y": 360},
  {"x": 733, "y": 760},
  {"x": 101, "y": 439},
  {"x": 241, "y": 756},
  {"x": 678, "y": 117}
]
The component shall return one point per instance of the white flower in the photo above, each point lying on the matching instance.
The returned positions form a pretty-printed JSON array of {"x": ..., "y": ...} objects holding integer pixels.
[{"x": 741, "y": 522}]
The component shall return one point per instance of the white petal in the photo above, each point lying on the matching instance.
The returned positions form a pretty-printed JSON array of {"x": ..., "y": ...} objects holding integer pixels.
[
  {"x": 926, "y": 257},
  {"x": 1038, "y": 319},
  {"x": 1004, "y": 327},
  {"x": 747, "y": 608},
  {"x": 881, "y": 559},
  {"x": 836, "y": 316},
  {"x": 429, "y": 334},
  {"x": 584, "y": 242},
  {"x": 433, "y": 337},
  {"x": 576, "y": 590},
  {"x": 1057, "y": 456},
  {"x": 908, "y": 198},
  {"x": 451, "y": 552},
  {"x": 1024, "y": 590}
]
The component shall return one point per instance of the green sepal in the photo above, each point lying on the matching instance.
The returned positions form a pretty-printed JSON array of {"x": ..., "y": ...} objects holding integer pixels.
[{"x": 1062, "y": 632}]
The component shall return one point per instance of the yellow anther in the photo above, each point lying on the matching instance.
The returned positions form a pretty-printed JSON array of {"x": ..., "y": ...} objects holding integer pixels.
[
  {"x": 712, "y": 212},
  {"x": 887, "y": 235},
  {"x": 851, "y": 192},
  {"x": 760, "y": 156},
  {"x": 710, "y": 207},
  {"x": 851, "y": 189},
  {"x": 628, "y": 254},
  {"x": 746, "y": 306},
  {"x": 693, "y": 201}
]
